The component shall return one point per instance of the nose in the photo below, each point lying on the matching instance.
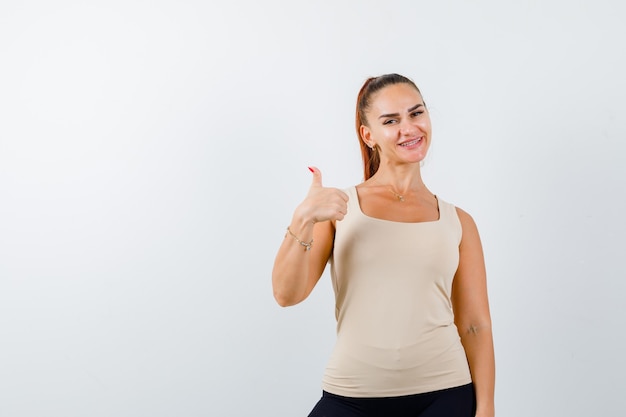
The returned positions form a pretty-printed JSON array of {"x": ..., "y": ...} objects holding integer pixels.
[{"x": 407, "y": 128}]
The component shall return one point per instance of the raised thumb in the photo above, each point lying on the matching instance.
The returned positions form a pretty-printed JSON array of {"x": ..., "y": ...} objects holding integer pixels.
[{"x": 317, "y": 177}]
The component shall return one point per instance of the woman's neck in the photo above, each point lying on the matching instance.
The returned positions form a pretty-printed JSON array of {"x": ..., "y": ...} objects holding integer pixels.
[{"x": 401, "y": 179}]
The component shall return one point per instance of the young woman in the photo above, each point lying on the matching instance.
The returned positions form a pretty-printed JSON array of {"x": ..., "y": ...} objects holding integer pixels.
[{"x": 413, "y": 323}]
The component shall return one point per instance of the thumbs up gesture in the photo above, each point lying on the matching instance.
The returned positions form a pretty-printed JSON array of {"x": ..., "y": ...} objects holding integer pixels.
[{"x": 322, "y": 203}]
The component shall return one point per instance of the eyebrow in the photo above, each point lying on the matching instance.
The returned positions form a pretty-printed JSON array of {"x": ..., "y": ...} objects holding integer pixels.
[{"x": 417, "y": 106}]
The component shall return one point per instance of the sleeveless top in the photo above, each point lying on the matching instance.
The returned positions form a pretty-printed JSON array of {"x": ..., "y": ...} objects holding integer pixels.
[{"x": 395, "y": 326}]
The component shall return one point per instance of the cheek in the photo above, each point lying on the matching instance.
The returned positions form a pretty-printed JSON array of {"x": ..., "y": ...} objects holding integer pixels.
[
  {"x": 425, "y": 127},
  {"x": 379, "y": 135}
]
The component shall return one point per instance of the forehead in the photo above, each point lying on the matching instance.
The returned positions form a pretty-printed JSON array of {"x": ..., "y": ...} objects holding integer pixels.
[{"x": 395, "y": 98}]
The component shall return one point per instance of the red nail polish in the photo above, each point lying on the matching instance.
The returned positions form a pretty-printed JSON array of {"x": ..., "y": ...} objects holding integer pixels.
[{"x": 311, "y": 169}]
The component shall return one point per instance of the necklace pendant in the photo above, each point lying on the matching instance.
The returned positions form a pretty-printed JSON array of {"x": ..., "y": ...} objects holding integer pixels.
[{"x": 400, "y": 197}]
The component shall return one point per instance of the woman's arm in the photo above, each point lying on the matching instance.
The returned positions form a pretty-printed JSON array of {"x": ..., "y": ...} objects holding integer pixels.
[
  {"x": 297, "y": 268},
  {"x": 472, "y": 317}
]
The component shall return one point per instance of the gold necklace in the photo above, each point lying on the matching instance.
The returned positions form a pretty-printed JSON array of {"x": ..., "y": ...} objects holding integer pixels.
[{"x": 400, "y": 197}]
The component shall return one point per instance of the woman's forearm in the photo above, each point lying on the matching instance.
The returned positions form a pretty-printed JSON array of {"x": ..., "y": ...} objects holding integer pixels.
[
  {"x": 478, "y": 344},
  {"x": 291, "y": 267}
]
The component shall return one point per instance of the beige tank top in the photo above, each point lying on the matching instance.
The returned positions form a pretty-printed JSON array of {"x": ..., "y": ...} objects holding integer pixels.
[{"x": 395, "y": 327}]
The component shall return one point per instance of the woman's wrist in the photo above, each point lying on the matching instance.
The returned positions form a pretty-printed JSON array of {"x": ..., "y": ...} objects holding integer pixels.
[
  {"x": 302, "y": 221},
  {"x": 307, "y": 245},
  {"x": 485, "y": 410}
]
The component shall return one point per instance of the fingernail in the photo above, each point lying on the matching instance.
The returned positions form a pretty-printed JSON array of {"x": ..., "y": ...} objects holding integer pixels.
[{"x": 311, "y": 169}]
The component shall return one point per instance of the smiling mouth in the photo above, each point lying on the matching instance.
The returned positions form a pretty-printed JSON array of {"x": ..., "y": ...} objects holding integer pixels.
[{"x": 411, "y": 142}]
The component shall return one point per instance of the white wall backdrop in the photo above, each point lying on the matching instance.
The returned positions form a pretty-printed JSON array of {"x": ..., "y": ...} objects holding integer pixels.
[{"x": 152, "y": 152}]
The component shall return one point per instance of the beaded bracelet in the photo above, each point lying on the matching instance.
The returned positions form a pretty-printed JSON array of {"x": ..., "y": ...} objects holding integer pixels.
[{"x": 307, "y": 246}]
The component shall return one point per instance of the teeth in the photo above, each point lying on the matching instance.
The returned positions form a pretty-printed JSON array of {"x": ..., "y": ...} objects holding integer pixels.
[{"x": 413, "y": 142}]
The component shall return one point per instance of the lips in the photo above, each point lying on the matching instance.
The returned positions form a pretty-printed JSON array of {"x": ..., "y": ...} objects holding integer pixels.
[{"x": 411, "y": 142}]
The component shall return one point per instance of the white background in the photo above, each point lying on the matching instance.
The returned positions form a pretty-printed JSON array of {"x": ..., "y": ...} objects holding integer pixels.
[{"x": 151, "y": 154}]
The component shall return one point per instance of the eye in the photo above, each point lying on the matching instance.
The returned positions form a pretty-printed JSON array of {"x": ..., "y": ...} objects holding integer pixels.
[
  {"x": 417, "y": 113},
  {"x": 389, "y": 121}
]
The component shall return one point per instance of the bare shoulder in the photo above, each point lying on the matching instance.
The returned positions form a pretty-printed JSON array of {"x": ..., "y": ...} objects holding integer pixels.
[
  {"x": 469, "y": 230},
  {"x": 464, "y": 216},
  {"x": 467, "y": 222}
]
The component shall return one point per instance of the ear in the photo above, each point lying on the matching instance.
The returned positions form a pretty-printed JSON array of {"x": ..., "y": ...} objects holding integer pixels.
[{"x": 366, "y": 135}]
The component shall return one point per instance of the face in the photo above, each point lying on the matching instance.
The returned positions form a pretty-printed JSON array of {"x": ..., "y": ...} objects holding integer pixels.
[{"x": 398, "y": 124}]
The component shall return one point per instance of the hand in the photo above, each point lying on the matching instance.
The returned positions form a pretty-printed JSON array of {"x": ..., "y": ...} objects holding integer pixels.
[{"x": 321, "y": 203}]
